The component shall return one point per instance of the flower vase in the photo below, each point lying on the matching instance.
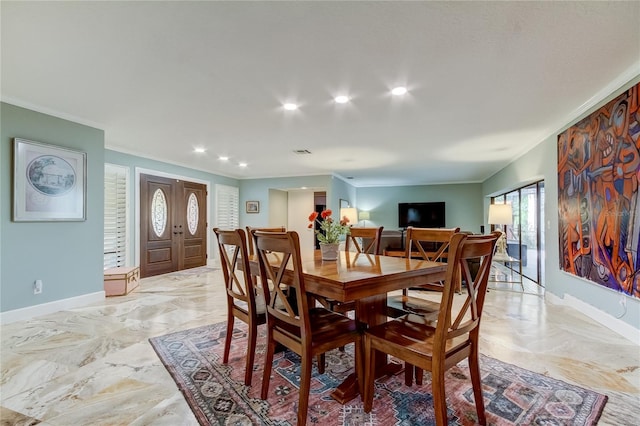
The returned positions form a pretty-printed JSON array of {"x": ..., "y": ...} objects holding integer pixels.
[{"x": 329, "y": 251}]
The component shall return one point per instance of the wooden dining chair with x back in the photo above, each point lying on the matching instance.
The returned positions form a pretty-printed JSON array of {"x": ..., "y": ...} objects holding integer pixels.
[
  {"x": 360, "y": 241},
  {"x": 364, "y": 240},
  {"x": 244, "y": 300},
  {"x": 455, "y": 334},
  {"x": 250, "y": 235},
  {"x": 250, "y": 241},
  {"x": 428, "y": 244},
  {"x": 305, "y": 328}
]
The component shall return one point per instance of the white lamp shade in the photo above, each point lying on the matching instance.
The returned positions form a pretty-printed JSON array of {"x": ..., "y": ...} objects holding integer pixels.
[
  {"x": 364, "y": 216},
  {"x": 500, "y": 214},
  {"x": 351, "y": 213}
]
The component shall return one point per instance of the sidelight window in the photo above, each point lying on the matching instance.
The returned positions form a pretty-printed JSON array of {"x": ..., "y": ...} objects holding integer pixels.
[
  {"x": 227, "y": 207},
  {"x": 116, "y": 186}
]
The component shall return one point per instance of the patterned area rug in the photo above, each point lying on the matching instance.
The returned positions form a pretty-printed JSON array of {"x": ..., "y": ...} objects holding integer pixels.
[{"x": 217, "y": 395}]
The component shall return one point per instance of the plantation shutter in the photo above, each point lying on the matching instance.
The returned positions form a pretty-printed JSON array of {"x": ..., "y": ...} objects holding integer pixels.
[
  {"x": 115, "y": 216},
  {"x": 227, "y": 207}
]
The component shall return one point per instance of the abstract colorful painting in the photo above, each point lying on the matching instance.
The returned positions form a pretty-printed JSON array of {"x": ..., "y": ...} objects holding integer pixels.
[{"x": 598, "y": 204}]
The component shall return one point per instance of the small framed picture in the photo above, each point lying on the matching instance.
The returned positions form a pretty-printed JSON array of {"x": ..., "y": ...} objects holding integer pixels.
[
  {"x": 50, "y": 182},
  {"x": 253, "y": 206}
]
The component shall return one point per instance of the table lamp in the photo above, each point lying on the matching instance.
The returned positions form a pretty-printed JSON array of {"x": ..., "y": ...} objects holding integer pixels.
[
  {"x": 501, "y": 214},
  {"x": 351, "y": 213},
  {"x": 364, "y": 216}
]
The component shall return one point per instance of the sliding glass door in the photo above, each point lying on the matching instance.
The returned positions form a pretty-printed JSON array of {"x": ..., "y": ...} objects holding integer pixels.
[{"x": 526, "y": 235}]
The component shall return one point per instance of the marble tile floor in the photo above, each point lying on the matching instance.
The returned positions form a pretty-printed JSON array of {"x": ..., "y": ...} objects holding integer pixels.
[
  {"x": 94, "y": 365},
  {"x": 505, "y": 279}
]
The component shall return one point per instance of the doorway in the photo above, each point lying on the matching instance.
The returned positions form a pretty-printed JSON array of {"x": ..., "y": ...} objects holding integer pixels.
[{"x": 173, "y": 226}]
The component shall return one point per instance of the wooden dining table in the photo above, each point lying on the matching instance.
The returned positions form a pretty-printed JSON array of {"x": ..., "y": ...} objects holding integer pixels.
[{"x": 365, "y": 279}]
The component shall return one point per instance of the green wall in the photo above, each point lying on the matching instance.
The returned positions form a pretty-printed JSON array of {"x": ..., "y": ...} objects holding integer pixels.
[
  {"x": 66, "y": 256},
  {"x": 258, "y": 190},
  {"x": 542, "y": 162},
  {"x": 341, "y": 190},
  {"x": 463, "y": 208}
]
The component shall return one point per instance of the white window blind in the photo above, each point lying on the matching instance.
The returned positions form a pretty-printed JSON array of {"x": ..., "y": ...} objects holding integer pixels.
[
  {"x": 115, "y": 215},
  {"x": 227, "y": 207}
]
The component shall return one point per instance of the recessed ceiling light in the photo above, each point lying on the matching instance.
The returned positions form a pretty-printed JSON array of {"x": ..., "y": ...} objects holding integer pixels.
[
  {"x": 290, "y": 106},
  {"x": 199, "y": 150},
  {"x": 242, "y": 164},
  {"x": 223, "y": 158},
  {"x": 400, "y": 90},
  {"x": 342, "y": 99}
]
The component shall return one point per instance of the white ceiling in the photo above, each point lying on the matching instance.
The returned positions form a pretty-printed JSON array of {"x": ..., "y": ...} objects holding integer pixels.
[{"x": 487, "y": 80}]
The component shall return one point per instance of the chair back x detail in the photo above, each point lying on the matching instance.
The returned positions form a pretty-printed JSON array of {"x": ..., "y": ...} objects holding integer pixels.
[
  {"x": 250, "y": 231},
  {"x": 244, "y": 301},
  {"x": 436, "y": 241},
  {"x": 369, "y": 236},
  {"x": 429, "y": 244}
]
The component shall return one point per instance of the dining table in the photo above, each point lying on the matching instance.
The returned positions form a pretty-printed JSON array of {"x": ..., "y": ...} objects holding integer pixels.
[{"x": 365, "y": 279}]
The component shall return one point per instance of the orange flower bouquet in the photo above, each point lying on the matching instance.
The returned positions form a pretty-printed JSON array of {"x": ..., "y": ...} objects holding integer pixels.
[{"x": 330, "y": 231}]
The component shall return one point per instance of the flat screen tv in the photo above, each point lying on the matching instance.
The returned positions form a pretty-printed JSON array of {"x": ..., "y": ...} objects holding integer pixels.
[{"x": 421, "y": 215}]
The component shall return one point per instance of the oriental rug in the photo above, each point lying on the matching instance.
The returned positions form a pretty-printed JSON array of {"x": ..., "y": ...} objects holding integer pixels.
[{"x": 217, "y": 395}]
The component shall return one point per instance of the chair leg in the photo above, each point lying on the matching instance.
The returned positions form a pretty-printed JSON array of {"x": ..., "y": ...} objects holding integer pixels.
[
  {"x": 321, "y": 363},
  {"x": 359, "y": 363},
  {"x": 369, "y": 375},
  {"x": 227, "y": 339},
  {"x": 419, "y": 376},
  {"x": 305, "y": 386},
  {"x": 251, "y": 352},
  {"x": 408, "y": 374},
  {"x": 268, "y": 361},
  {"x": 474, "y": 370},
  {"x": 439, "y": 396}
]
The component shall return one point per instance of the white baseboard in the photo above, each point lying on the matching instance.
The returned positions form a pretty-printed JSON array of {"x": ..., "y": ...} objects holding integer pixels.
[
  {"x": 622, "y": 328},
  {"x": 30, "y": 312}
]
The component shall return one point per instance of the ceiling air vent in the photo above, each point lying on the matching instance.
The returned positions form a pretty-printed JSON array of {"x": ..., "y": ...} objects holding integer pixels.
[{"x": 301, "y": 151}]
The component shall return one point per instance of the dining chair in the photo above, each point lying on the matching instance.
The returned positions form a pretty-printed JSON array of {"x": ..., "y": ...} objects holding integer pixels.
[
  {"x": 250, "y": 241},
  {"x": 363, "y": 241},
  {"x": 244, "y": 300},
  {"x": 296, "y": 322},
  {"x": 428, "y": 244},
  {"x": 454, "y": 336},
  {"x": 250, "y": 235}
]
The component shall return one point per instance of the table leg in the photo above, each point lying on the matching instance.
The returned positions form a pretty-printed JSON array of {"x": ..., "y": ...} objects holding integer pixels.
[{"x": 370, "y": 312}]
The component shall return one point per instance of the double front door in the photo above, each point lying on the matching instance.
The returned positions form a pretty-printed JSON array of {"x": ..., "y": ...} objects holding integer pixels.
[{"x": 173, "y": 228}]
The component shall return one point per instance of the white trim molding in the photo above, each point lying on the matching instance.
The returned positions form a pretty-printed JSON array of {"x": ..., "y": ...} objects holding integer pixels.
[
  {"x": 614, "y": 324},
  {"x": 24, "y": 314}
]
